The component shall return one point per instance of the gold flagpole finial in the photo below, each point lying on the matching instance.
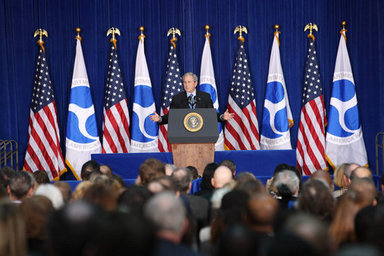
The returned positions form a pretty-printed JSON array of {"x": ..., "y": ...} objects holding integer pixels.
[
  {"x": 40, "y": 32},
  {"x": 277, "y": 32},
  {"x": 113, "y": 31},
  {"x": 141, "y": 36},
  {"x": 207, "y": 34},
  {"x": 173, "y": 31},
  {"x": 240, "y": 29},
  {"x": 344, "y": 30},
  {"x": 311, "y": 27},
  {"x": 78, "y": 30}
]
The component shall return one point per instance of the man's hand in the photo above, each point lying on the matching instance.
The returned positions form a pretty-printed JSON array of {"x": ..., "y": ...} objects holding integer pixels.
[
  {"x": 155, "y": 117},
  {"x": 227, "y": 116}
]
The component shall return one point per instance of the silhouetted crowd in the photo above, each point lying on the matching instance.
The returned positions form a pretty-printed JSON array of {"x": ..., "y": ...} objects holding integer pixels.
[{"x": 230, "y": 214}]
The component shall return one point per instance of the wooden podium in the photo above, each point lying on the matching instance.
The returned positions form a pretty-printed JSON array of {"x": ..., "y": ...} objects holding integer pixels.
[{"x": 193, "y": 134}]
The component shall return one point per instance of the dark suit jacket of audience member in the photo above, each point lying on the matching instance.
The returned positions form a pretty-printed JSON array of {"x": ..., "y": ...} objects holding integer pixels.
[
  {"x": 180, "y": 100},
  {"x": 167, "y": 248}
]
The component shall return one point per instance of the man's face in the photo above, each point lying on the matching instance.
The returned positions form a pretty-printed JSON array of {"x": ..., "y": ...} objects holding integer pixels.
[{"x": 189, "y": 84}]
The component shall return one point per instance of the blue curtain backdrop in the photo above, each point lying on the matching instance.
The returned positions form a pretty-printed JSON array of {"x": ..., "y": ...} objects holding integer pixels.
[{"x": 18, "y": 49}]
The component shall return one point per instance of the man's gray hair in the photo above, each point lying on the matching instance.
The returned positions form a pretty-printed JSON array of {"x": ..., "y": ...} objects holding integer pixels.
[
  {"x": 193, "y": 75},
  {"x": 166, "y": 211},
  {"x": 182, "y": 177},
  {"x": 288, "y": 178}
]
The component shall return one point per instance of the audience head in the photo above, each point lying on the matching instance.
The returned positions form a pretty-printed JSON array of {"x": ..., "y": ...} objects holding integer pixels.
[
  {"x": 230, "y": 164},
  {"x": 221, "y": 177},
  {"x": 13, "y": 240},
  {"x": 286, "y": 184},
  {"x": 260, "y": 212},
  {"x": 168, "y": 214},
  {"x": 41, "y": 177},
  {"x": 183, "y": 179},
  {"x": 348, "y": 168},
  {"x": 237, "y": 240},
  {"x": 134, "y": 198},
  {"x": 251, "y": 186},
  {"x": 311, "y": 230},
  {"x": 21, "y": 185},
  {"x": 106, "y": 170},
  {"x": 74, "y": 229},
  {"x": 316, "y": 198},
  {"x": 52, "y": 193},
  {"x": 36, "y": 210},
  {"x": 207, "y": 176},
  {"x": 194, "y": 172},
  {"x": 169, "y": 168},
  {"x": 324, "y": 177},
  {"x": 361, "y": 172},
  {"x": 150, "y": 170},
  {"x": 103, "y": 195},
  {"x": 338, "y": 176},
  {"x": 87, "y": 168},
  {"x": 285, "y": 167},
  {"x": 365, "y": 224},
  {"x": 164, "y": 183},
  {"x": 80, "y": 189},
  {"x": 6, "y": 173},
  {"x": 65, "y": 190}
]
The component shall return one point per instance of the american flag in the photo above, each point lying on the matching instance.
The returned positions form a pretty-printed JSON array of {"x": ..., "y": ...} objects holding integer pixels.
[
  {"x": 242, "y": 132},
  {"x": 115, "y": 111},
  {"x": 173, "y": 86},
  {"x": 310, "y": 152},
  {"x": 43, "y": 151}
]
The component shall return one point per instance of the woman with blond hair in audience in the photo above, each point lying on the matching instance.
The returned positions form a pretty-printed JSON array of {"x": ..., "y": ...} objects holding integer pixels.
[{"x": 361, "y": 193}]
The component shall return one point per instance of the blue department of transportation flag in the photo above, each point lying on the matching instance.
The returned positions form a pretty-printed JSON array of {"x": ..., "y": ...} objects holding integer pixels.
[
  {"x": 277, "y": 115},
  {"x": 208, "y": 85},
  {"x": 344, "y": 139},
  {"x": 82, "y": 136},
  {"x": 144, "y": 132}
]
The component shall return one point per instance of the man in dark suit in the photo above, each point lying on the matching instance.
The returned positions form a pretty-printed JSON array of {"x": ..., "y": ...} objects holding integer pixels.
[{"x": 190, "y": 98}]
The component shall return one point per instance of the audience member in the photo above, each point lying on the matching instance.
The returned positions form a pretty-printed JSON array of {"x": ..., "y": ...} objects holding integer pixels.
[
  {"x": 247, "y": 182},
  {"x": 106, "y": 170},
  {"x": 36, "y": 210},
  {"x": 238, "y": 240},
  {"x": 222, "y": 176},
  {"x": 80, "y": 189},
  {"x": 134, "y": 198},
  {"x": 195, "y": 173},
  {"x": 361, "y": 172},
  {"x": 13, "y": 238},
  {"x": 285, "y": 186},
  {"x": 231, "y": 165},
  {"x": 168, "y": 214},
  {"x": 206, "y": 185},
  {"x": 65, "y": 190},
  {"x": 340, "y": 180},
  {"x": 324, "y": 177},
  {"x": 316, "y": 198},
  {"x": 361, "y": 193},
  {"x": 169, "y": 168},
  {"x": 87, "y": 168},
  {"x": 198, "y": 205},
  {"x": 20, "y": 186},
  {"x": 150, "y": 170},
  {"x": 52, "y": 193},
  {"x": 312, "y": 230},
  {"x": 163, "y": 183},
  {"x": 103, "y": 195},
  {"x": 41, "y": 177}
]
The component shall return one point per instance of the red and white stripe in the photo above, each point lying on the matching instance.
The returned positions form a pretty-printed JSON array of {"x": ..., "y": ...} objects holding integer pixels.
[
  {"x": 242, "y": 132},
  {"x": 310, "y": 151},
  {"x": 43, "y": 151},
  {"x": 116, "y": 128},
  {"x": 164, "y": 145}
]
